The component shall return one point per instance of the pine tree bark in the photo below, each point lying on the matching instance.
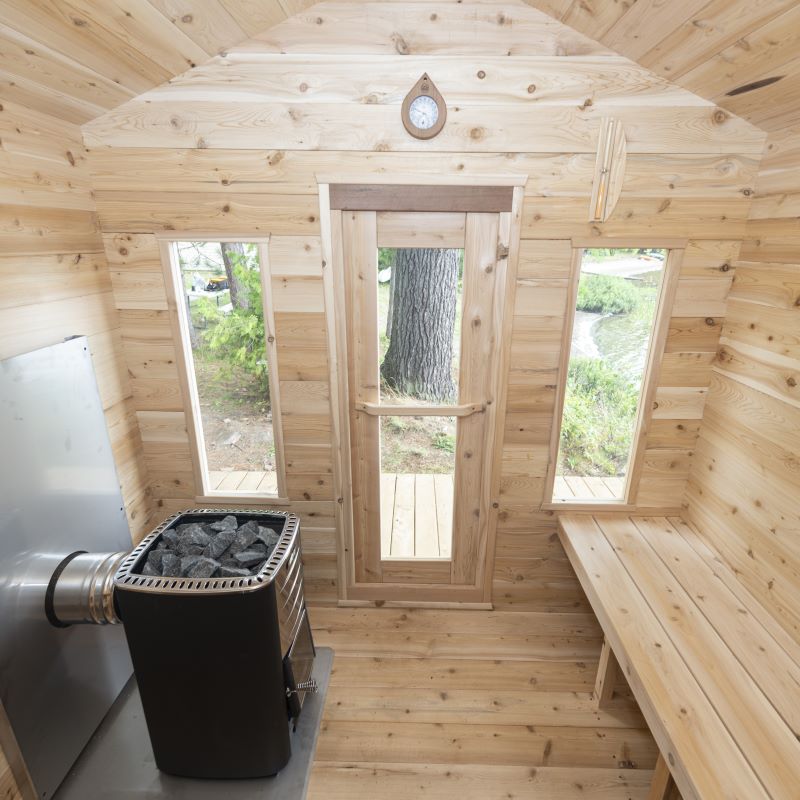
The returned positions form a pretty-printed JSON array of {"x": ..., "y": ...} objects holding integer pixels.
[
  {"x": 419, "y": 359},
  {"x": 233, "y": 255}
]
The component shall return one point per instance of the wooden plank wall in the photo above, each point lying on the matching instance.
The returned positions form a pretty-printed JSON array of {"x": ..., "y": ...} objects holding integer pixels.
[
  {"x": 54, "y": 276},
  {"x": 236, "y": 146},
  {"x": 745, "y": 483}
]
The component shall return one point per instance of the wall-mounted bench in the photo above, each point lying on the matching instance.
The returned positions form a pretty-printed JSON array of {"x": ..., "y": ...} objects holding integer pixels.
[{"x": 715, "y": 675}]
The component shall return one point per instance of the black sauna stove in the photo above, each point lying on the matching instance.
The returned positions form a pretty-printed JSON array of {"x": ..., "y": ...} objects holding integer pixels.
[{"x": 222, "y": 663}]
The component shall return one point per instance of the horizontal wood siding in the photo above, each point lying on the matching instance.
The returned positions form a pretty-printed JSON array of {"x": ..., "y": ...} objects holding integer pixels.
[
  {"x": 238, "y": 146},
  {"x": 746, "y": 478},
  {"x": 56, "y": 282}
]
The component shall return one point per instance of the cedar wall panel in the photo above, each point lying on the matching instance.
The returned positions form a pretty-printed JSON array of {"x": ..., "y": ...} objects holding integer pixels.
[
  {"x": 55, "y": 283},
  {"x": 237, "y": 145},
  {"x": 55, "y": 277},
  {"x": 745, "y": 483}
]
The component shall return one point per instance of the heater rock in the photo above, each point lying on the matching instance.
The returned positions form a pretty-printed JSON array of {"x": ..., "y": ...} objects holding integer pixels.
[
  {"x": 150, "y": 570},
  {"x": 187, "y": 562},
  {"x": 154, "y": 559},
  {"x": 226, "y": 523},
  {"x": 233, "y": 572},
  {"x": 268, "y": 536},
  {"x": 170, "y": 538},
  {"x": 202, "y": 568},
  {"x": 171, "y": 565},
  {"x": 193, "y": 541},
  {"x": 245, "y": 536},
  {"x": 247, "y": 558},
  {"x": 220, "y": 543}
]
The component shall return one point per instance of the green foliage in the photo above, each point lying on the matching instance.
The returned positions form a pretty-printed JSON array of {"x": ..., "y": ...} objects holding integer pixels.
[
  {"x": 237, "y": 338},
  {"x": 604, "y": 294},
  {"x": 444, "y": 441},
  {"x": 599, "y": 416}
]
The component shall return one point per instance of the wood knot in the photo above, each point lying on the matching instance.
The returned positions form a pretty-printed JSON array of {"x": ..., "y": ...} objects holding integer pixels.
[
  {"x": 476, "y": 134},
  {"x": 791, "y": 381},
  {"x": 719, "y": 116},
  {"x": 710, "y": 321},
  {"x": 187, "y": 18},
  {"x": 303, "y": 87},
  {"x": 400, "y": 44},
  {"x": 70, "y": 158},
  {"x": 481, "y": 74},
  {"x": 725, "y": 267},
  {"x": 531, "y": 88},
  {"x": 123, "y": 251}
]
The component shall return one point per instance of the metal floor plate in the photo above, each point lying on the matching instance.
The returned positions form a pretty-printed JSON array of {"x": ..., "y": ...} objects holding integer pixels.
[{"x": 118, "y": 763}]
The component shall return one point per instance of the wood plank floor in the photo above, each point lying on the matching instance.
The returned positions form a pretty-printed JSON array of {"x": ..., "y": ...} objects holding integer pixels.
[
  {"x": 472, "y": 705},
  {"x": 416, "y": 515},
  {"x": 567, "y": 487},
  {"x": 241, "y": 481}
]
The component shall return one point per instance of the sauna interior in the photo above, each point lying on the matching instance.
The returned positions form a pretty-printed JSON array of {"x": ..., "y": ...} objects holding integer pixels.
[{"x": 501, "y": 300}]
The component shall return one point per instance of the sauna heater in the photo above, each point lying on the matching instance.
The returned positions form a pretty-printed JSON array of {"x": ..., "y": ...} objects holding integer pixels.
[{"x": 222, "y": 663}]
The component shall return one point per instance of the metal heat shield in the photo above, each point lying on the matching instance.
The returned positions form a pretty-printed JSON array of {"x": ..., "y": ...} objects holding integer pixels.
[{"x": 59, "y": 493}]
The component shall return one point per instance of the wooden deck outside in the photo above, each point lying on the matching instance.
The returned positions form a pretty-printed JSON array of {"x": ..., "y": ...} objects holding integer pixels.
[
  {"x": 241, "y": 481},
  {"x": 567, "y": 487},
  {"x": 416, "y": 515}
]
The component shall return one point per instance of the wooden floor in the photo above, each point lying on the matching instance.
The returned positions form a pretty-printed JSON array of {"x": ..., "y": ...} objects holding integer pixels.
[
  {"x": 472, "y": 705},
  {"x": 416, "y": 515},
  {"x": 240, "y": 481},
  {"x": 567, "y": 487}
]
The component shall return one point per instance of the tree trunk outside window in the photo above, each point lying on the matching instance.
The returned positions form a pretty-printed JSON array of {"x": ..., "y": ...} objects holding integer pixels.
[
  {"x": 233, "y": 256},
  {"x": 419, "y": 359}
]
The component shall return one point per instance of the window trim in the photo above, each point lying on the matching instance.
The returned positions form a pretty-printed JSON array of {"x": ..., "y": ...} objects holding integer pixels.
[
  {"x": 666, "y": 297},
  {"x": 184, "y": 358}
]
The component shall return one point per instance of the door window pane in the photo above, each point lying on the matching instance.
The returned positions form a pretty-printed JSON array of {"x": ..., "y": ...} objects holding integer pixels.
[
  {"x": 618, "y": 294},
  {"x": 419, "y": 324},
  {"x": 417, "y": 467},
  {"x": 224, "y": 326}
]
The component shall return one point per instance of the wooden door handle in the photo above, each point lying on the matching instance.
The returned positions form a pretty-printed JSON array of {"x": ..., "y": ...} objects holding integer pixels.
[{"x": 389, "y": 410}]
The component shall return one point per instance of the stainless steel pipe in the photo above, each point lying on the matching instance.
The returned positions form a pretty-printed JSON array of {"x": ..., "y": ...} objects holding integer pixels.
[{"x": 81, "y": 591}]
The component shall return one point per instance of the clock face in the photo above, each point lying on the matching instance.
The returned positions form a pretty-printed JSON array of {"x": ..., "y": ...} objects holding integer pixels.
[{"x": 423, "y": 112}]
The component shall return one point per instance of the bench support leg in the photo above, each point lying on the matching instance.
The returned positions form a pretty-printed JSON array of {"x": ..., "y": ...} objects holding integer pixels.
[
  {"x": 606, "y": 676},
  {"x": 662, "y": 787}
]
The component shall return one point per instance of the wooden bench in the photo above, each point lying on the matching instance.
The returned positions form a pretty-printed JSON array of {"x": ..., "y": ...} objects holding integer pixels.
[{"x": 716, "y": 677}]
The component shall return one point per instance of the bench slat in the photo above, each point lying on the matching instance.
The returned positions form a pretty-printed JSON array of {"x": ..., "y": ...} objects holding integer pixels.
[
  {"x": 723, "y": 571},
  {"x": 763, "y": 737},
  {"x": 733, "y": 617},
  {"x": 705, "y": 761}
]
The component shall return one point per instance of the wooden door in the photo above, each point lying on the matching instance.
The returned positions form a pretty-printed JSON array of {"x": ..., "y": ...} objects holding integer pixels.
[{"x": 457, "y": 572}]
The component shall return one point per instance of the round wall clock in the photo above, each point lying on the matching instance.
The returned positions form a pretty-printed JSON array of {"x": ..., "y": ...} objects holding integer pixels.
[{"x": 424, "y": 111}]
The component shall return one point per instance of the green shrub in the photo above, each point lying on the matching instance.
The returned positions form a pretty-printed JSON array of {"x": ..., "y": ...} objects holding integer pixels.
[
  {"x": 606, "y": 294},
  {"x": 237, "y": 338},
  {"x": 599, "y": 415},
  {"x": 444, "y": 441}
]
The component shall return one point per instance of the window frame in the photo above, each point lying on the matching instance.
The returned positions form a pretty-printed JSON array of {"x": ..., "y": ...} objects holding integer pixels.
[
  {"x": 187, "y": 376},
  {"x": 666, "y": 298}
]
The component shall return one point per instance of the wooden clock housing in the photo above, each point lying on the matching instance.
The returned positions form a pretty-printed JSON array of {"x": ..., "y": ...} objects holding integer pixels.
[{"x": 424, "y": 86}]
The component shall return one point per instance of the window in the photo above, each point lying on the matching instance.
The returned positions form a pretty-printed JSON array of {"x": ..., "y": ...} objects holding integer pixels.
[
  {"x": 224, "y": 313},
  {"x": 619, "y": 293}
]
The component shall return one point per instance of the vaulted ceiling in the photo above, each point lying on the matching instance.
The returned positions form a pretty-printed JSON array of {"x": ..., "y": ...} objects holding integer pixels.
[{"x": 75, "y": 59}]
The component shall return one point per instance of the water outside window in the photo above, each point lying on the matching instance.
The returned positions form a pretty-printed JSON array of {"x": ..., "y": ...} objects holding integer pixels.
[
  {"x": 616, "y": 308},
  {"x": 419, "y": 327},
  {"x": 223, "y": 295}
]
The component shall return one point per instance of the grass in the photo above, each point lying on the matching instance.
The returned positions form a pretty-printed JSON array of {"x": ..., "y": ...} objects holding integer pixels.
[
  {"x": 418, "y": 444},
  {"x": 606, "y": 294}
]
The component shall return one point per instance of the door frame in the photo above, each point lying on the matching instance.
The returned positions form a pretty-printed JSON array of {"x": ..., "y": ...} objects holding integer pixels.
[{"x": 411, "y": 193}]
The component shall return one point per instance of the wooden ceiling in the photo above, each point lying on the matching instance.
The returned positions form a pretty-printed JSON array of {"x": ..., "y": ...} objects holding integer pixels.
[{"x": 75, "y": 59}]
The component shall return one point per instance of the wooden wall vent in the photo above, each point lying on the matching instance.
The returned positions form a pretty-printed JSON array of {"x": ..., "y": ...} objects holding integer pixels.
[{"x": 609, "y": 170}]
